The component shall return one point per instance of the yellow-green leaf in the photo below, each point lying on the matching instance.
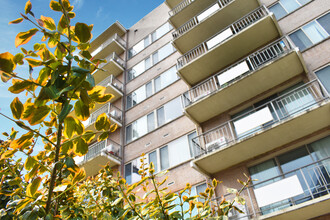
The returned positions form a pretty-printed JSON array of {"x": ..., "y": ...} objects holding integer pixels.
[
  {"x": 7, "y": 63},
  {"x": 83, "y": 32},
  {"x": 80, "y": 147},
  {"x": 102, "y": 122},
  {"x": 29, "y": 163},
  {"x": 17, "y": 108},
  {"x": 18, "y": 58},
  {"x": 25, "y": 37},
  {"x": 55, "y": 6},
  {"x": 19, "y": 86},
  {"x": 81, "y": 110},
  {"x": 48, "y": 22},
  {"x": 103, "y": 136},
  {"x": 35, "y": 115},
  {"x": 79, "y": 176},
  {"x": 28, "y": 7},
  {"x": 33, "y": 187},
  {"x": 34, "y": 62},
  {"x": 23, "y": 141},
  {"x": 16, "y": 21},
  {"x": 72, "y": 126}
]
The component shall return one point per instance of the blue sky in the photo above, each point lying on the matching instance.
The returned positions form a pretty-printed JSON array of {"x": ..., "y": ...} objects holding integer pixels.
[{"x": 101, "y": 13}]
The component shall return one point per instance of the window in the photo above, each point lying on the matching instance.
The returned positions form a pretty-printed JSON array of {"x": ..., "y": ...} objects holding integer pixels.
[
  {"x": 146, "y": 124},
  {"x": 156, "y": 57},
  {"x": 324, "y": 76},
  {"x": 312, "y": 32},
  {"x": 300, "y": 163},
  {"x": 152, "y": 87},
  {"x": 172, "y": 154},
  {"x": 284, "y": 7},
  {"x": 141, "y": 45}
]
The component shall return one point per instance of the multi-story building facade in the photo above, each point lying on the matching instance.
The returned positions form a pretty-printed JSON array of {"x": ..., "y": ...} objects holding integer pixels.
[{"x": 215, "y": 89}]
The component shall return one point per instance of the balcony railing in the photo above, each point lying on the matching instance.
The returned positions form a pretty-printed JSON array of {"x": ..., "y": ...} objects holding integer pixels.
[
  {"x": 114, "y": 37},
  {"x": 237, "y": 71},
  {"x": 114, "y": 57},
  {"x": 111, "y": 80},
  {"x": 107, "y": 147},
  {"x": 218, "y": 5},
  {"x": 272, "y": 113},
  {"x": 289, "y": 189},
  {"x": 180, "y": 7},
  {"x": 223, "y": 35},
  {"x": 109, "y": 109}
]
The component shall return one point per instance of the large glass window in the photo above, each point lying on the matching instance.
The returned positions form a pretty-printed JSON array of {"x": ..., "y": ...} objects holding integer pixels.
[
  {"x": 163, "y": 80},
  {"x": 161, "y": 31},
  {"x": 306, "y": 167},
  {"x": 284, "y": 7},
  {"x": 324, "y": 76},
  {"x": 312, "y": 32},
  {"x": 132, "y": 171},
  {"x": 156, "y": 57},
  {"x": 146, "y": 124}
]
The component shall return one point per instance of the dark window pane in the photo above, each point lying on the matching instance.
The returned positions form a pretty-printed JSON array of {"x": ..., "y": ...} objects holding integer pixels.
[
  {"x": 128, "y": 133},
  {"x": 294, "y": 159},
  {"x": 325, "y": 22},
  {"x": 128, "y": 173},
  {"x": 164, "y": 161},
  {"x": 300, "y": 40},
  {"x": 324, "y": 76},
  {"x": 278, "y": 10},
  {"x": 129, "y": 101}
]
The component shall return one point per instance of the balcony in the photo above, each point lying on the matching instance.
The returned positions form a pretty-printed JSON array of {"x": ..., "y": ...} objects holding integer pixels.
[
  {"x": 114, "y": 66},
  {"x": 228, "y": 46},
  {"x": 98, "y": 155},
  {"x": 173, "y": 3},
  {"x": 207, "y": 23},
  {"x": 187, "y": 9},
  {"x": 114, "y": 44},
  {"x": 255, "y": 74},
  {"x": 287, "y": 118},
  {"x": 303, "y": 193},
  {"x": 114, "y": 113},
  {"x": 113, "y": 86}
]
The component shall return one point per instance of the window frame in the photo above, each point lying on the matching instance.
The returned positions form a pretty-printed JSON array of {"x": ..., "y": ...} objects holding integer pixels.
[{"x": 287, "y": 12}]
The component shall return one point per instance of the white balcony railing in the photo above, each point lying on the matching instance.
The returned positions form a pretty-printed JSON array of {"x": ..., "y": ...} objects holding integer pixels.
[
  {"x": 115, "y": 58},
  {"x": 274, "y": 112},
  {"x": 238, "y": 70},
  {"x": 109, "y": 109},
  {"x": 287, "y": 190},
  {"x": 113, "y": 81},
  {"x": 223, "y": 35},
  {"x": 114, "y": 37},
  {"x": 217, "y": 6},
  {"x": 179, "y": 7}
]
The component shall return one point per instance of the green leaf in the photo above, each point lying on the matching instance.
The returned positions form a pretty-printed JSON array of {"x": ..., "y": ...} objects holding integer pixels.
[
  {"x": 65, "y": 111},
  {"x": 83, "y": 32},
  {"x": 25, "y": 37},
  {"x": 32, "y": 173},
  {"x": 88, "y": 136},
  {"x": 49, "y": 23},
  {"x": 34, "y": 62},
  {"x": 19, "y": 86},
  {"x": 7, "y": 63},
  {"x": 72, "y": 126},
  {"x": 85, "y": 97},
  {"x": 86, "y": 54},
  {"x": 79, "y": 176},
  {"x": 17, "y": 108},
  {"x": 80, "y": 147},
  {"x": 79, "y": 70},
  {"x": 103, "y": 136},
  {"x": 28, "y": 7},
  {"x": 33, "y": 187},
  {"x": 102, "y": 122},
  {"x": 16, "y": 21},
  {"x": 90, "y": 79},
  {"x": 35, "y": 115},
  {"x": 55, "y": 6},
  {"x": 18, "y": 59},
  {"x": 81, "y": 110},
  {"x": 29, "y": 163}
]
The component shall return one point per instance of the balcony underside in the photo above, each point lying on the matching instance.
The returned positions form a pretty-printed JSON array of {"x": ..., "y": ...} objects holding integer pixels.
[
  {"x": 189, "y": 11},
  {"x": 307, "y": 210},
  {"x": 112, "y": 47},
  {"x": 111, "y": 68},
  {"x": 93, "y": 165},
  {"x": 213, "y": 24},
  {"x": 230, "y": 50},
  {"x": 173, "y": 3},
  {"x": 280, "y": 134},
  {"x": 257, "y": 82}
]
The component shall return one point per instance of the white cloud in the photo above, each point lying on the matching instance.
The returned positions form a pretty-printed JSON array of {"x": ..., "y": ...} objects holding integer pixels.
[
  {"x": 78, "y": 4},
  {"x": 99, "y": 12}
]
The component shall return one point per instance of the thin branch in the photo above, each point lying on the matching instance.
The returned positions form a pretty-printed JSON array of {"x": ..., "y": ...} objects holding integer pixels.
[{"x": 157, "y": 194}]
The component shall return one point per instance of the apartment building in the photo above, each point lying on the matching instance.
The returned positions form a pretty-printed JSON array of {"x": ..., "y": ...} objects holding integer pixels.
[{"x": 215, "y": 89}]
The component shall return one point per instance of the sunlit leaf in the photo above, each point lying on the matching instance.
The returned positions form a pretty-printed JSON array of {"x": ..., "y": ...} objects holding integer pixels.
[
  {"x": 16, "y": 21},
  {"x": 49, "y": 22},
  {"x": 82, "y": 32},
  {"x": 72, "y": 126},
  {"x": 231, "y": 190},
  {"x": 81, "y": 110},
  {"x": 79, "y": 176},
  {"x": 102, "y": 122},
  {"x": 7, "y": 63},
  {"x": 55, "y": 6},
  {"x": 25, "y": 37},
  {"x": 18, "y": 58},
  {"x": 34, "y": 62},
  {"x": 29, "y": 163},
  {"x": 19, "y": 86},
  {"x": 32, "y": 188},
  {"x": 28, "y": 7},
  {"x": 23, "y": 141},
  {"x": 35, "y": 115},
  {"x": 16, "y": 108},
  {"x": 80, "y": 147},
  {"x": 103, "y": 136}
]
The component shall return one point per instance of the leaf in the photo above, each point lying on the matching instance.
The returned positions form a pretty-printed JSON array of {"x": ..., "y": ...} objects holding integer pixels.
[
  {"x": 24, "y": 140},
  {"x": 79, "y": 70},
  {"x": 19, "y": 86},
  {"x": 25, "y": 37},
  {"x": 7, "y": 63},
  {"x": 231, "y": 190},
  {"x": 65, "y": 111},
  {"x": 81, "y": 110},
  {"x": 67, "y": 5},
  {"x": 33, "y": 187},
  {"x": 17, "y": 108},
  {"x": 49, "y": 23},
  {"x": 103, "y": 136},
  {"x": 90, "y": 79},
  {"x": 18, "y": 58},
  {"x": 72, "y": 126},
  {"x": 32, "y": 173},
  {"x": 79, "y": 176},
  {"x": 102, "y": 122},
  {"x": 16, "y": 21},
  {"x": 83, "y": 32},
  {"x": 80, "y": 147},
  {"x": 34, "y": 62},
  {"x": 240, "y": 200},
  {"x": 55, "y": 6},
  {"x": 35, "y": 115},
  {"x": 88, "y": 136},
  {"x": 29, "y": 163},
  {"x": 28, "y": 7}
]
